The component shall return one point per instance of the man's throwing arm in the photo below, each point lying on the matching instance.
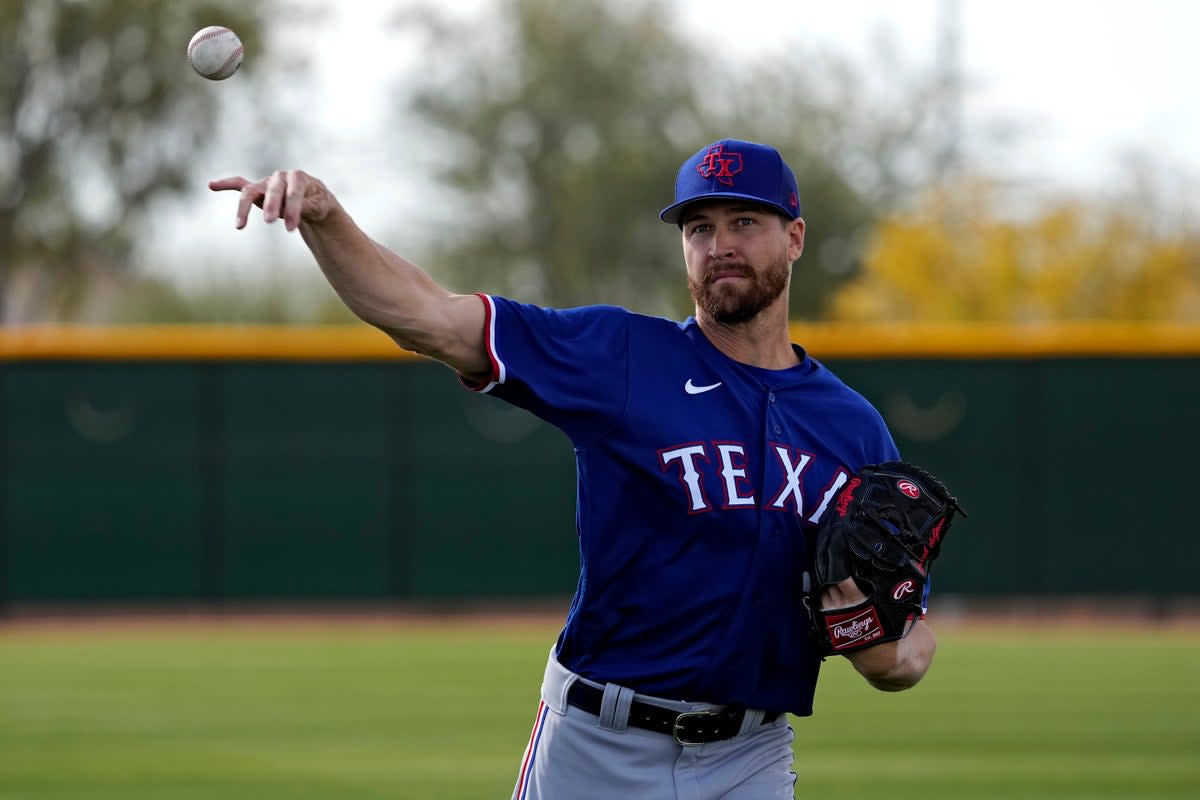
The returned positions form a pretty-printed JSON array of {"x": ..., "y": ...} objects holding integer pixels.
[{"x": 380, "y": 287}]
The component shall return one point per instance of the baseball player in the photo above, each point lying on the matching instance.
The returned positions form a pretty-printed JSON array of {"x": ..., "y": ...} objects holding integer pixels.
[{"x": 707, "y": 452}]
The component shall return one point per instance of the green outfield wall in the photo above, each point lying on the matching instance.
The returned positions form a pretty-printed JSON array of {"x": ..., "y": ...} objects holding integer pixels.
[{"x": 275, "y": 464}]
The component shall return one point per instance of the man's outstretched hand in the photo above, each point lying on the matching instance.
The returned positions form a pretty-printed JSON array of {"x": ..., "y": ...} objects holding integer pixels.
[{"x": 291, "y": 195}]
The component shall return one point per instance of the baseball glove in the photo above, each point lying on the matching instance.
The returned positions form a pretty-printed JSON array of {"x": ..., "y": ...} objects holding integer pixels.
[{"x": 885, "y": 529}]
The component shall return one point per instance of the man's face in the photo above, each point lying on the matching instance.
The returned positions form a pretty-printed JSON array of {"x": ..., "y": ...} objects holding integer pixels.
[{"x": 739, "y": 257}]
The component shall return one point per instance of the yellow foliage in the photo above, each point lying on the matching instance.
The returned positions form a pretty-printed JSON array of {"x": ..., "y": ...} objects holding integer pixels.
[{"x": 958, "y": 258}]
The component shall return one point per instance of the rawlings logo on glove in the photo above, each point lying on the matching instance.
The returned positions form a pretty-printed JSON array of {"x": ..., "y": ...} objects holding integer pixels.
[{"x": 885, "y": 529}]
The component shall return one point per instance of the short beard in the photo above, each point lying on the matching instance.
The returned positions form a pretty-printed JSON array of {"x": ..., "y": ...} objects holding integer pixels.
[{"x": 731, "y": 306}]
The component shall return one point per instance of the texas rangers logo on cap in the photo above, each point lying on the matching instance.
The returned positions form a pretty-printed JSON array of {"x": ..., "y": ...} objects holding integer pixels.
[
  {"x": 758, "y": 169},
  {"x": 720, "y": 164}
]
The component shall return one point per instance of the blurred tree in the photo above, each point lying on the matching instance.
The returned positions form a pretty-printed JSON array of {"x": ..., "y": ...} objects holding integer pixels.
[
  {"x": 961, "y": 257},
  {"x": 561, "y": 126},
  {"x": 100, "y": 117},
  {"x": 862, "y": 139},
  {"x": 561, "y": 122}
]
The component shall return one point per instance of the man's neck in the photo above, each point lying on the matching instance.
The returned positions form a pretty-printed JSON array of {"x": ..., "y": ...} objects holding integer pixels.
[{"x": 763, "y": 341}]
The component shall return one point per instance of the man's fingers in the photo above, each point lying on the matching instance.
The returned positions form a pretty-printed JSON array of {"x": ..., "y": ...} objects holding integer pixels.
[
  {"x": 222, "y": 184},
  {"x": 252, "y": 194},
  {"x": 841, "y": 595},
  {"x": 297, "y": 186},
  {"x": 273, "y": 198},
  {"x": 281, "y": 196}
]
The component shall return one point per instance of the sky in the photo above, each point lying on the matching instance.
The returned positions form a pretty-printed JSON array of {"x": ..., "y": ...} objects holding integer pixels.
[{"x": 1090, "y": 80}]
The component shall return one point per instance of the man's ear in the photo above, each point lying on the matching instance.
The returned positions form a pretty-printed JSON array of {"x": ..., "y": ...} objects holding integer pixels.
[{"x": 795, "y": 231}]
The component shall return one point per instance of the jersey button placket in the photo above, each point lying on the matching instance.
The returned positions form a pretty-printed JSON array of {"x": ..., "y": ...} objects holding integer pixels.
[{"x": 774, "y": 427}]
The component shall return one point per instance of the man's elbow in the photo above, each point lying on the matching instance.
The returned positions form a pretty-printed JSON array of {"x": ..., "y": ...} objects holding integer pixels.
[
  {"x": 896, "y": 682},
  {"x": 900, "y": 665}
]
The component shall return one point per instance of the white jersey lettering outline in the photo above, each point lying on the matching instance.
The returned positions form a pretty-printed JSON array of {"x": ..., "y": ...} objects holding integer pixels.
[
  {"x": 792, "y": 477},
  {"x": 838, "y": 482},
  {"x": 794, "y": 463},
  {"x": 689, "y": 476},
  {"x": 730, "y": 474}
]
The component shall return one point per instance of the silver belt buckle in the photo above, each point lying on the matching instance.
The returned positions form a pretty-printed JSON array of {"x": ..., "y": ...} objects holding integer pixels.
[{"x": 675, "y": 731}]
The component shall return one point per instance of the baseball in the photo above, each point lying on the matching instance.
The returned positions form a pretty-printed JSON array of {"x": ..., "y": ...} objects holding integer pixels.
[{"x": 215, "y": 52}]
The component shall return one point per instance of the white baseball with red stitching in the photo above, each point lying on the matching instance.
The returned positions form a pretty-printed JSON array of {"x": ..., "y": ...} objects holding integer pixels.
[{"x": 215, "y": 52}]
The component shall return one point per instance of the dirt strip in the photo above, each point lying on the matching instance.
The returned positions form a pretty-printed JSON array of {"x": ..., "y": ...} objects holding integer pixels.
[
  {"x": 945, "y": 612},
  {"x": 276, "y": 616}
]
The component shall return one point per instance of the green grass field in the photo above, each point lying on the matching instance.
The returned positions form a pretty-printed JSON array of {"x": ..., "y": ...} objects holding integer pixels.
[{"x": 394, "y": 711}]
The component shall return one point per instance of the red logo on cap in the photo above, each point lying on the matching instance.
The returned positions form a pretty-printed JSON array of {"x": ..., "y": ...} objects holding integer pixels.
[{"x": 722, "y": 165}]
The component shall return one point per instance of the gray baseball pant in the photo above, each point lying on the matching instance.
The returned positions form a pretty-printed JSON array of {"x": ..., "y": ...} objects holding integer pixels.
[{"x": 574, "y": 755}]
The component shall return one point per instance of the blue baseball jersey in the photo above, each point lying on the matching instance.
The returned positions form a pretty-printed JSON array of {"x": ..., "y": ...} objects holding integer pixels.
[{"x": 700, "y": 484}]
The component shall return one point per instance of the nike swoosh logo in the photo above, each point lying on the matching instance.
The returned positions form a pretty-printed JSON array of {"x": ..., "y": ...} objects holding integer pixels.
[{"x": 692, "y": 388}]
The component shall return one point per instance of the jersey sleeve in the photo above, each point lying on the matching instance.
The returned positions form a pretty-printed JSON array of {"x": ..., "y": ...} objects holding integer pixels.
[
  {"x": 886, "y": 446},
  {"x": 876, "y": 442},
  {"x": 568, "y": 366}
]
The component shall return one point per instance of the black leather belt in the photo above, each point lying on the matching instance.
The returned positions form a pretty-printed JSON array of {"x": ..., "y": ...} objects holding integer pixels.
[{"x": 689, "y": 727}]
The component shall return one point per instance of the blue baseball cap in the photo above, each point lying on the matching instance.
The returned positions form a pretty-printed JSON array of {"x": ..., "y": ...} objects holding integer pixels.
[{"x": 735, "y": 170}]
